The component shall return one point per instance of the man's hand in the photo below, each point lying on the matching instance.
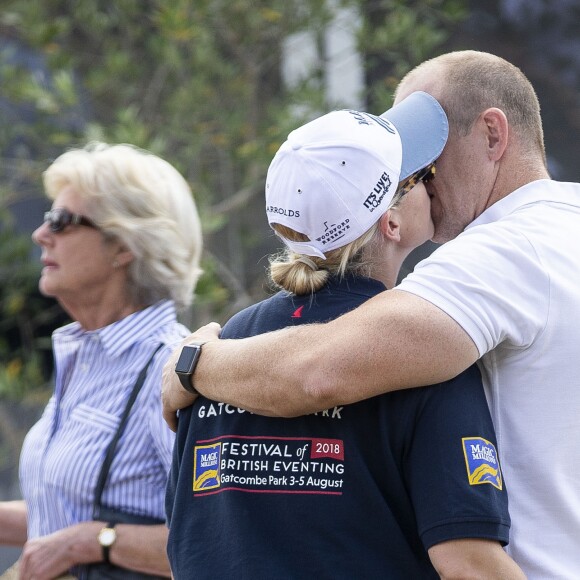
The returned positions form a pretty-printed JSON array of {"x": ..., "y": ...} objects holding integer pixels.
[{"x": 173, "y": 395}]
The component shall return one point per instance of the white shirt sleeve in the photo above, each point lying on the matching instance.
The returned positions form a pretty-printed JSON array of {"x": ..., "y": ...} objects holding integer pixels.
[{"x": 491, "y": 281}]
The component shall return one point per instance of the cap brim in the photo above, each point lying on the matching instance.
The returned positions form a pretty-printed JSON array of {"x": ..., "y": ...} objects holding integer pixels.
[{"x": 423, "y": 128}]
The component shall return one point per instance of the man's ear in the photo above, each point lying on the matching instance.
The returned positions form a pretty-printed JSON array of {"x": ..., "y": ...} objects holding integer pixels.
[
  {"x": 497, "y": 127},
  {"x": 390, "y": 225}
]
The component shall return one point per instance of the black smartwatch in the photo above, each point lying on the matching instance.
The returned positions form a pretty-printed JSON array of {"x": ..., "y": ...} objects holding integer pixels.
[{"x": 186, "y": 364}]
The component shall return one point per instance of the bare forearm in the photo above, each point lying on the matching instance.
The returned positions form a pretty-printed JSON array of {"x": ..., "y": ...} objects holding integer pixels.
[
  {"x": 139, "y": 548},
  {"x": 250, "y": 373},
  {"x": 472, "y": 559},
  {"x": 394, "y": 341},
  {"x": 13, "y": 524},
  {"x": 142, "y": 548}
]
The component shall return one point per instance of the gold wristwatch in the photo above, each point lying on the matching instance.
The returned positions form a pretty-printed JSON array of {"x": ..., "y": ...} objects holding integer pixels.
[{"x": 106, "y": 539}]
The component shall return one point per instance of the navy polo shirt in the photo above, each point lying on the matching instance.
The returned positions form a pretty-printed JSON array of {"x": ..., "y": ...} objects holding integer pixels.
[{"x": 356, "y": 491}]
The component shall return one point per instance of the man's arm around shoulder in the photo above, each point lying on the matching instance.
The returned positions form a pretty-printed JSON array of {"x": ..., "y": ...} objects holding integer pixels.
[{"x": 393, "y": 341}]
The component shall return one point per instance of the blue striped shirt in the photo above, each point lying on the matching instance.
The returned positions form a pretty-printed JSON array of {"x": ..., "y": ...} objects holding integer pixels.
[{"x": 63, "y": 452}]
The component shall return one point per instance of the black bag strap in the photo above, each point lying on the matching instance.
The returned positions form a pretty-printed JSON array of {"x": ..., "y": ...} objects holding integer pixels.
[{"x": 110, "y": 454}]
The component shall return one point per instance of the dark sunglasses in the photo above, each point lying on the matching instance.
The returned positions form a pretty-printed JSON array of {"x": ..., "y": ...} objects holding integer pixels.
[
  {"x": 59, "y": 218},
  {"x": 426, "y": 174}
]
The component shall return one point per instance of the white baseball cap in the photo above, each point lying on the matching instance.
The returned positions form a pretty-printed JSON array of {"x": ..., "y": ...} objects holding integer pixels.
[{"x": 334, "y": 177}]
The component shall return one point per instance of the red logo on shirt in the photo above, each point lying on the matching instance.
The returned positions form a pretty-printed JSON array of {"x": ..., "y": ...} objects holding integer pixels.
[{"x": 298, "y": 312}]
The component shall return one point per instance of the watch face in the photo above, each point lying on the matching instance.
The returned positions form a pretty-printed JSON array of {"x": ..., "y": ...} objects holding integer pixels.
[
  {"x": 107, "y": 536},
  {"x": 187, "y": 359}
]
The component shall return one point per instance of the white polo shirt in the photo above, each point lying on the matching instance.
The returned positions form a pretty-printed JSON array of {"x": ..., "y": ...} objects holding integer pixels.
[{"x": 512, "y": 281}]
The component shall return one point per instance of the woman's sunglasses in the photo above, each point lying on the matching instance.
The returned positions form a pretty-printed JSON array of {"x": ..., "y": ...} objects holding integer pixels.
[
  {"x": 426, "y": 174},
  {"x": 59, "y": 218}
]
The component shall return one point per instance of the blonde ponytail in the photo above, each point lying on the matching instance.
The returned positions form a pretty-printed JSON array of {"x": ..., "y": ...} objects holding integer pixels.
[{"x": 301, "y": 275}]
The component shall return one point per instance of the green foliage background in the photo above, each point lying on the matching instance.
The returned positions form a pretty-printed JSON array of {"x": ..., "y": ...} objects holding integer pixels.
[{"x": 197, "y": 82}]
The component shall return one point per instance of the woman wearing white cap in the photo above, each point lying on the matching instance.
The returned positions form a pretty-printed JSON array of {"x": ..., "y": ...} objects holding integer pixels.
[{"x": 404, "y": 485}]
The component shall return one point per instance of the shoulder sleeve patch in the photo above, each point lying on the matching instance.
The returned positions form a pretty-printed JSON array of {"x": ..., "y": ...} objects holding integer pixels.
[{"x": 481, "y": 461}]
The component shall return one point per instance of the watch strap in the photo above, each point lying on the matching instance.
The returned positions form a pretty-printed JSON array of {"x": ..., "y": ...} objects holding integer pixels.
[{"x": 187, "y": 383}]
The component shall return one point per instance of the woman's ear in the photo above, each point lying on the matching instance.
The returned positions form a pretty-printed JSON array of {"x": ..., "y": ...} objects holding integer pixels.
[
  {"x": 123, "y": 257},
  {"x": 390, "y": 225}
]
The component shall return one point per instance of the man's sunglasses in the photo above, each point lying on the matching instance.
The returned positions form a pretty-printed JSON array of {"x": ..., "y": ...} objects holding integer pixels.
[
  {"x": 59, "y": 218},
  {"x": 426, "y": 174}
]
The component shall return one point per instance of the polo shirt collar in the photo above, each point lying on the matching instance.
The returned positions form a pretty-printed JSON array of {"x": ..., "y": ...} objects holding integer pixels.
[
  {"x": 121, "y": 335},
  {"x": 536, "y": 191}
]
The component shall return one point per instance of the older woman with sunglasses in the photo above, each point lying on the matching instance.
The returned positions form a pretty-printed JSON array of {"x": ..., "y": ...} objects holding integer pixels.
[{"x": 120, "y": 253}]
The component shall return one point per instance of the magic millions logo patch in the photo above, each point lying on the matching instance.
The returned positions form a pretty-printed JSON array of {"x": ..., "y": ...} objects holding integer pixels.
[
  {"x": 481, "y": 461},
  {"x": 206, "y": 466}
]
